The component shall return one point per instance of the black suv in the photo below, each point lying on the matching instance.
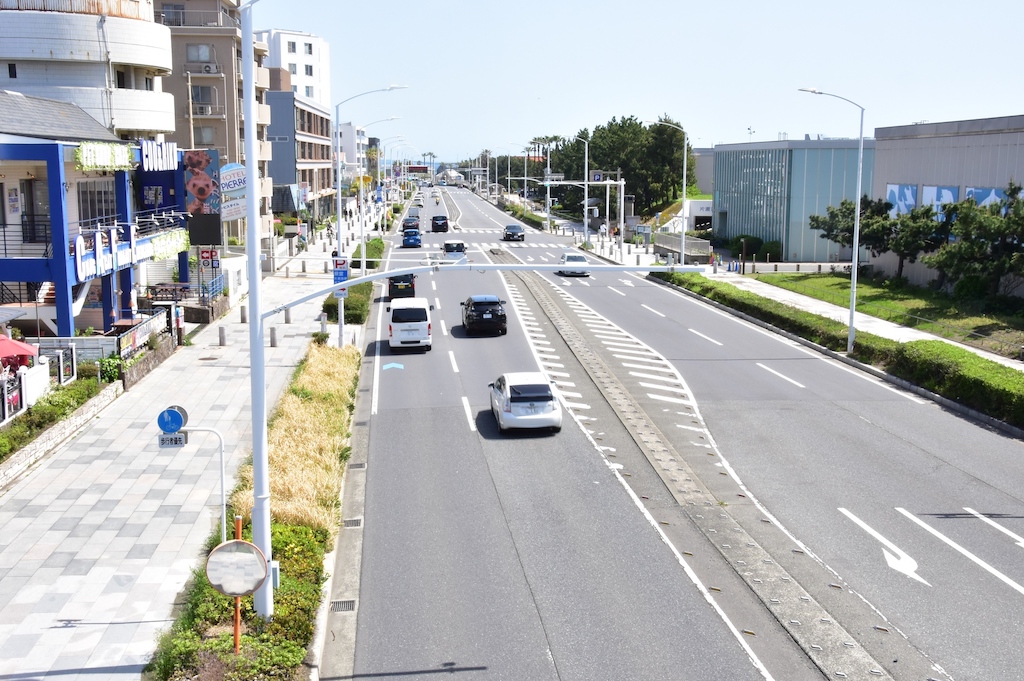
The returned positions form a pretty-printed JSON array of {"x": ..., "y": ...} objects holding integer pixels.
[
  {"x": 439, "y": 223},
  {"x": 513, "y": 233},
  {"x": 484, "y": 313},
  {"x": 402, "y": 286},
  {"x": 410, "y": 223}
]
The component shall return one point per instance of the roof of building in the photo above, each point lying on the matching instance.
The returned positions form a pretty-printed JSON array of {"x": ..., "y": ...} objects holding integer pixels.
[{"x": 50, "y": 119}]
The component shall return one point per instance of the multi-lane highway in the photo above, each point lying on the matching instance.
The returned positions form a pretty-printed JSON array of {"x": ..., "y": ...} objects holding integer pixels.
[{"x": 731, "y": 505}]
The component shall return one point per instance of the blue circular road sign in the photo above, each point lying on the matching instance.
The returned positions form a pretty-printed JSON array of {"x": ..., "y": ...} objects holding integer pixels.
[{"x": 170, "y": 420}]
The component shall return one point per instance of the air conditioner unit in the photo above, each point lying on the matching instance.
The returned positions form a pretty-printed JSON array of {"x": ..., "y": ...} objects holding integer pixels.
[
  {"x": 203, "y": 109},
  {"x": 211, "y": 68}
]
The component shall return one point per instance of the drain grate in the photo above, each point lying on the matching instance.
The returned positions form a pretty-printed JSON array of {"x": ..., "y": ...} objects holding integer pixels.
[
  {"x": 354, "y": 522},
  {"x": 362, "y": 423},
  {"x": 361, "y": 464},
  {"x": 343, "y": 606}
]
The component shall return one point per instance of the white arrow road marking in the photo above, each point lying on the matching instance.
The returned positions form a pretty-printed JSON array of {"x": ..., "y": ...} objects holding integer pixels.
[
  {"x": 451, "y": 356},
  {"x": 469, "y": 413},
  {"x": 785, "y": 378},
  {"x": 1016, "y": 537},
  {"x": 626, "y": 282},
  {"x": 652, "y": 310},
  {"x": 985, "y": 566},
  {"x": 903, "y": 563},
  {"x": 698, "y": 333}
]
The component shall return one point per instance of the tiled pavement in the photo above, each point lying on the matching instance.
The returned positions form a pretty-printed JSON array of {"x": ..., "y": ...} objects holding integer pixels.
[{"x": 98, "y": 539}]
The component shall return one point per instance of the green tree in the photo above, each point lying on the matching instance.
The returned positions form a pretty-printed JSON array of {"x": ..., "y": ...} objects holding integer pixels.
[
  {"x": 665, "y": 160},
  {"x": 988, "y": 244},
  {"x": 907, "y": 236}
]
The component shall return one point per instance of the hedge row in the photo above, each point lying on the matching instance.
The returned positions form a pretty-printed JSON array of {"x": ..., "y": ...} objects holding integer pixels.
[
  {"x": 944, "y": 369},
  {"x": 54, "y": 407},
  {"x": 357, "y": 305},
  {"x": 374, "y": 254}
]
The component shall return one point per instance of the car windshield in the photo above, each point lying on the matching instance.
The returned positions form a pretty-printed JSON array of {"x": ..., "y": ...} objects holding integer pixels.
[
  {"x": 530, "y": 392},
  {"x": 513, "y": 228},
  {"x": 406, "y": 315}
]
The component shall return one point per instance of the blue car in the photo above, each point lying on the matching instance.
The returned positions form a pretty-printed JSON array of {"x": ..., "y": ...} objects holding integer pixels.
[{"x": 411, "y": 239}]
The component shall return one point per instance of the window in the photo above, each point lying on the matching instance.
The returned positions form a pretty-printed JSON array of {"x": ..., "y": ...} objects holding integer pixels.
[
  {"x": 202, "y": 54},
  {"x": 309, "y": 90},
  {"x": 148, "y": 83},
  {"x": 293, "y": 69},
  {"x": 95, "y": 200},
  {"x": 121, "y": 83},
  {"x": 291, "y": 47},
  {"x": 295, "y": 88},
  {"x": 309, "y": 69},
  {"x": 173, "y": 14},
  {"x": 12, "y": 70},
  {"x": 202, "y": 94},
  {"x": 205, "y": 135},
  {"x": 309, "y": 48}
]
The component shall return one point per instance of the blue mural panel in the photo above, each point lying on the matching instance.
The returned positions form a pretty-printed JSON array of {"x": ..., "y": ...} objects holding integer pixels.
[{"x": 903, "y": 198}]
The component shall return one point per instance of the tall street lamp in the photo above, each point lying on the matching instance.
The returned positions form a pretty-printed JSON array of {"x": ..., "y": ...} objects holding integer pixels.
[
  {"x": 856, "y": 215},
  {"x": 337, "y": 148},
  {"x": 586, "y": 187},
  {"x": 382, "y": 176},
  {"x": 263, "y": 599},
  {"x": 682, "y": 210},
  {"x": 362, "y": 189}
]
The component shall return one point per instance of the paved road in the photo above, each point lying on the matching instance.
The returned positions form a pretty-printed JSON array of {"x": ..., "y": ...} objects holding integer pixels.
[{"x": 523, "y": 556}]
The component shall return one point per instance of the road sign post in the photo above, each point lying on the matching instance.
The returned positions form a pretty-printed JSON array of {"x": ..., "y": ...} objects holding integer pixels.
[{"x": 341, "y": 276}]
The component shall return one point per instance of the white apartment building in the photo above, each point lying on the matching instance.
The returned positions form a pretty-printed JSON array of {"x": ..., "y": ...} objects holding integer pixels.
[
  {"x": 353, "y": 148},
  {"x": 306, "y": 57},
  {"x": 108, "y": 57}
]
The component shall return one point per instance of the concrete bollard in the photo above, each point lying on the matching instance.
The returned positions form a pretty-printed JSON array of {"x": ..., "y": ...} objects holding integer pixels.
[
  {"x": 244, "y": 311},
  {"x": 222, "y": 335},
  {"x": 288, "y": 272},
  {"x": 326, "y": 268},
  {"x": 303, "y": 266},
  {"x": 287, "y": 315},
  {"x": 638, "y": 259},
  {"x": 324, "y": 249},
  {"x": 323, "y": 322},
  {"x": 273, "y": 336}
]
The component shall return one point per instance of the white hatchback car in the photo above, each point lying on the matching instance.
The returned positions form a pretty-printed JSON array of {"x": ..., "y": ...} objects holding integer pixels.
[
  {"x": 573, "y": 265},
  {"x": 525, "y": 399}
]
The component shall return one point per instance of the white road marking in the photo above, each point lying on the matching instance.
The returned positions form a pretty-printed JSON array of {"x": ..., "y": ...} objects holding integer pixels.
[
  {"x": 437, "y": 303},
  {"x": 652, "y": 310},
  {"x": 451, "y": 356},
  {"x": 671, "y": 370},
  {"x": 634, "y": 346},
  {"x": 670, "y": 388},
  {"x": 696, "y": 429},
  {"x": 577, "y": 405},
  {"x": 433, "y": 285},
  {"x": 615, "y": 290},
  {"x": 1016, "y": 537},
  {"x": 785, "y": 378},
  {"x": 551, "y": 373},
  {"x": 698, "y": 333},
  {"x": 640, "y": 374},
  {"x": 982, "y": 564},
  {"x": 444, "y": 328},
  {"x": 901, "y": 562},
  {"x": 567, "y": 393},
  {"x": 469, "y": 413},
  {"x": 665, "y": 398}
]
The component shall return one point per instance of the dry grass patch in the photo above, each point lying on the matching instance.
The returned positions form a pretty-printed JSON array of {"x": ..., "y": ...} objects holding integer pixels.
[{"x": 308, "y": 442}]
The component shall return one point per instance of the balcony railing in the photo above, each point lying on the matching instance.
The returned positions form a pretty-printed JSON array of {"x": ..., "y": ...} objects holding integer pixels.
[
  {"x": 203, "y": 68},
  {"x": 201, "y": 109},
  {"x": 126, "y": 9},
  {"x": 195, "y": 17}
]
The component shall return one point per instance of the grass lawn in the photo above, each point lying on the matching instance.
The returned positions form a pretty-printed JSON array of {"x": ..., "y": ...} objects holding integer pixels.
[{"x": 912, "y": 306}]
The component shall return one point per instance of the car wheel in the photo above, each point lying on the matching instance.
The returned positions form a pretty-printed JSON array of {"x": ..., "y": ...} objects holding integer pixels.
[
  {"x": 501, "y": 428},
  {"x": 556, "y": 429}
]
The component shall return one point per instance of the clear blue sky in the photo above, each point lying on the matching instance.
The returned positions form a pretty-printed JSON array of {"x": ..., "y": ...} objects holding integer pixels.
[{"x": 495, "y": 74}]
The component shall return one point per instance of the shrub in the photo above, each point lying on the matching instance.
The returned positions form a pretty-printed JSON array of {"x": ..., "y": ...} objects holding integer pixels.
[
  {"x": 319, "y": 337},
  {"x": 357, "y": 305},
  {"x": 153, "y": 341},
  {"x": 58, "y": 404},
  {"x": 754, "y": 244},
  {"x": 374, "y": 253},
  {"x": 110, "y": 369},
  {"x": 770, "y": 251}
]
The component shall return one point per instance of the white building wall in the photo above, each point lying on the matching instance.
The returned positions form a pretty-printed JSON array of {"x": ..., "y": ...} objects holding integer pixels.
[
  {"x": 279, "y": 57},
  {"x": 73, "y": 58}
]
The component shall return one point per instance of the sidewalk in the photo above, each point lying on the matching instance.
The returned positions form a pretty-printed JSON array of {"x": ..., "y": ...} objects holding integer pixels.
[{"x": 100, "y": 536}]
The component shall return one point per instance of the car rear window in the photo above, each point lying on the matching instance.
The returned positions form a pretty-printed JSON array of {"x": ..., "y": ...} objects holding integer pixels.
[
  {"x": 531, "y": 392},
  {"x": 454, "y": 248},
  {"x": 486, "y": 307},
  {"x": 407, "y": 315},
  {"x": 401, "y": 279},
  {"x": 575, "y": 258}
]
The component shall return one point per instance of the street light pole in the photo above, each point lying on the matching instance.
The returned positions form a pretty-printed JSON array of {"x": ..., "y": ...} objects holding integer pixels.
[
  {"x": 682, "y": 207},
  {"x": 337, "y": 152},
  {"x": 851, "y": 336},
  {"x": 263, "y": 599}
]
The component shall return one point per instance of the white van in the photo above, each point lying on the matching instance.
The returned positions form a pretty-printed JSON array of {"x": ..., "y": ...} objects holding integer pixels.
[
  {"x": 453, "y": 251},
  {"x": 409, "y": 323}
]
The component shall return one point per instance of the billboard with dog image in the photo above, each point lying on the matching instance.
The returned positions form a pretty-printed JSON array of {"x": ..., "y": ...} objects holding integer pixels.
[{"x": 202, "y": 196}]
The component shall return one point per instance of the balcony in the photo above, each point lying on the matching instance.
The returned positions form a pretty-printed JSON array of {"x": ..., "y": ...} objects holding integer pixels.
[
  {"x": 203, "y": 68},
  {"x": 195, "y": 18},
  {"x": 200, "y": 110},
  {"x": 264, "y": 150},
  {"x": 263, "y": 114}
]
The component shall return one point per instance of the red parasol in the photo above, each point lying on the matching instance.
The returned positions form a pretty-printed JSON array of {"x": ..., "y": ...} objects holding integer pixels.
[{"x": 13, "y": 348}]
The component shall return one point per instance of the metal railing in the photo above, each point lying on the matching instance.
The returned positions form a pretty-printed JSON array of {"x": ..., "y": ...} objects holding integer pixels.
[
  {"x": 211, "y": 289},
  {"x": 194, "y": 17},
  {"x": 12, "y": 396},
  {"x": 63, "y": 364}
]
